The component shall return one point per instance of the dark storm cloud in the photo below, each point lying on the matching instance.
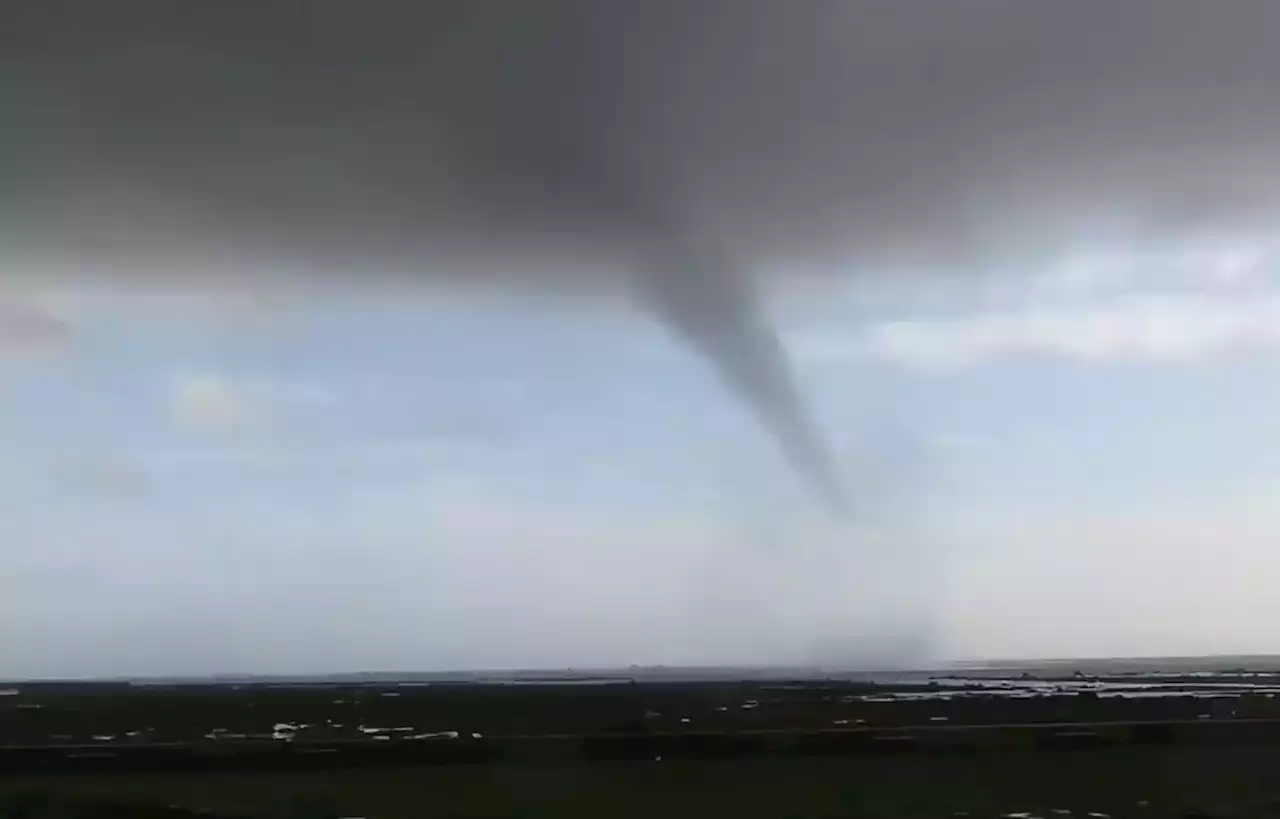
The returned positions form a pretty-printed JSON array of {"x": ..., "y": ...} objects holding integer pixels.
[{"x": 683, "y": 146}]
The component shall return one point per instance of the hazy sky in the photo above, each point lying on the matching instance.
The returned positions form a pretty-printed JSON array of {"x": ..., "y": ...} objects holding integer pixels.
[
  {"x": 423, "y": 335},
  {"x": 1077, "y": 463}
]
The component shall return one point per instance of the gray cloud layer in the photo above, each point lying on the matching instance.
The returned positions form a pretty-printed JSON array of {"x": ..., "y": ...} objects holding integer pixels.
[{"x": 682, "y": 147}]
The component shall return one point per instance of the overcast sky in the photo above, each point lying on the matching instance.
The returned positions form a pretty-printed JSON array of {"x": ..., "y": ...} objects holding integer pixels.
[
  {"x": 1082, "y": 463},
  {"x": 400, "y": 336}
]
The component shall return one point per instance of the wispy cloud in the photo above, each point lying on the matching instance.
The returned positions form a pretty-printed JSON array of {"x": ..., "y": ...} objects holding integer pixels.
[
  {"x": 30, "y": 329},
  {"x": 1221, "y": 264},
  {"x": 1134, "y": 301},
  {"x": 1154, "y": 329}
]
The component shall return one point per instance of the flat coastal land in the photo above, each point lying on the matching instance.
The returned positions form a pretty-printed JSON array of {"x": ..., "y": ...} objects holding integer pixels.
[{"x": 1115, "y": 737}]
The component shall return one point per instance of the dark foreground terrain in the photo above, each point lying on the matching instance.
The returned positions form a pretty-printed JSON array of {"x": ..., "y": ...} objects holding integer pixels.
[{"x": 1051, "y": 741}]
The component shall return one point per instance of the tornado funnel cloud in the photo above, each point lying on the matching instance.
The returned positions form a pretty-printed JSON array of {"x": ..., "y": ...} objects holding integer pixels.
[{"x": 716, "y": 312}]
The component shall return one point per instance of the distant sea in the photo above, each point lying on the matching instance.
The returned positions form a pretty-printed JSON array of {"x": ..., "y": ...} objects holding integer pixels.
[{"x": 676, "y": 674}]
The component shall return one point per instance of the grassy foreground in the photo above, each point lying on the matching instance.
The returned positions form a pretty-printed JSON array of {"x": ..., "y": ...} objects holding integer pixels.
[{"x": 1237, "y": 781}]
